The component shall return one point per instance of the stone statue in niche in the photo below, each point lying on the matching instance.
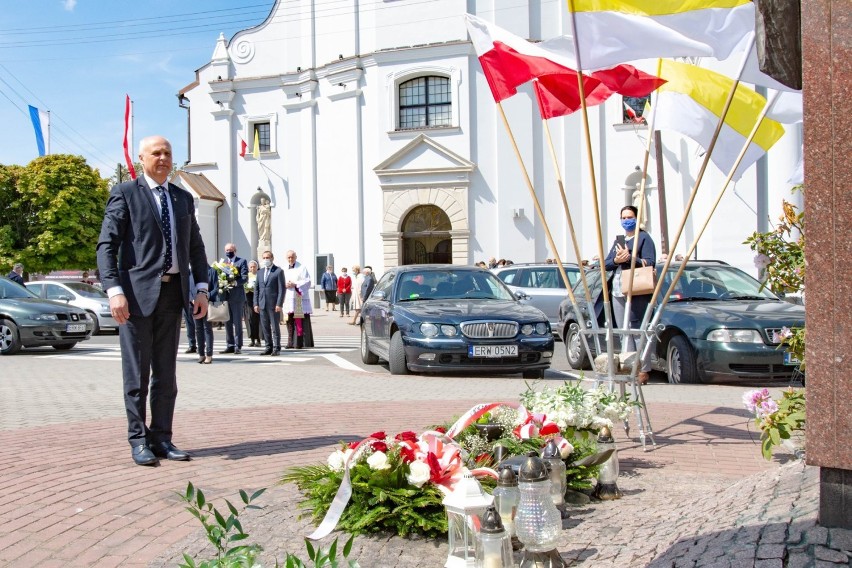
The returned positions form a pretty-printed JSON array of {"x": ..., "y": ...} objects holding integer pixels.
[{"x": 264, "y": 221}]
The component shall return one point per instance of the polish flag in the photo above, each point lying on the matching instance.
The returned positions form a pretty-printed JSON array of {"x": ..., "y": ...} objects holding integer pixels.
[{"x": 243, "y": 147}]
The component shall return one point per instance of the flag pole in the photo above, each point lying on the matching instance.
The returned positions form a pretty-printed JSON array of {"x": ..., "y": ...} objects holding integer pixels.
[
  {"x": 536, "y": 203},
  {"x": 730, "y": 177},
  {"x": 573, "y": 234},
  {"x": 601, "y": 257},
  {"x": 694, "y": 192}
]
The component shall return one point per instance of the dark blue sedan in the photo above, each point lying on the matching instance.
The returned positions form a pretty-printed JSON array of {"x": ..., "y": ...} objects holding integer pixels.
[{"x": 436, "y": 318}]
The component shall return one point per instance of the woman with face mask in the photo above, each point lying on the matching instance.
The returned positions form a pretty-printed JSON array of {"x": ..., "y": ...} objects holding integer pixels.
[
  {"x": 252, "y": 318},
  {"x": 619, "y": 260}
]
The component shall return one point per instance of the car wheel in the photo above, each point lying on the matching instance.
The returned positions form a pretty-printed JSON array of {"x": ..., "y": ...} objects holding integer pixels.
[
  {"x": 680, "y": 362},
  {"x": 64, "y": 346},
  {"x": 97, "y": 328},
  {"x": 574, "y": 350},
  {"x": 367, "y": 356},
  {"x": 396, "y": 358},
  {"x": 534, "y": 375},
  {"x": 10, "y": 343}
]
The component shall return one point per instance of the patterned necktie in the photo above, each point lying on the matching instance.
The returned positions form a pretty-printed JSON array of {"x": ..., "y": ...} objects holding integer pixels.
[{"x": 167, "y": 226}]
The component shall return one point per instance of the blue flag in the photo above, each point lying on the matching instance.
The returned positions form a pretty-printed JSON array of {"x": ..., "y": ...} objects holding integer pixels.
[{"x": 35, "y": 116}]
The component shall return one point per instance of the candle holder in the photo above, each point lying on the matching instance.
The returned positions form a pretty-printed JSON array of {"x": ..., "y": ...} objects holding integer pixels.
[
  {"x": 493, "y": 547},
  {"x": 607, "y": 486},
  {"x": 558, "y": 481},
  {"x": 464, "y": 506},
  {"x": 538, "y": 521}
]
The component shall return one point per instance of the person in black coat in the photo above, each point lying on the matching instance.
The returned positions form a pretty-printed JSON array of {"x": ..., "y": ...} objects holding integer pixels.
[
  {"x": 269, "y": 294},
  {"x": 204, "y": 327},
  {"x": 16, "y": 274}
]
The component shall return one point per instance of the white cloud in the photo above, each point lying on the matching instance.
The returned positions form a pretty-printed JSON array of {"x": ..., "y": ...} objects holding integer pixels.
[{"x": 69, "y": 5}]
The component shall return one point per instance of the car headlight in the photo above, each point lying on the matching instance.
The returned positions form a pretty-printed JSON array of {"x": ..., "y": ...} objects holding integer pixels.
[
  {"x": 429, "y": 329},
  {"x": 735, "y": 336},
  {"x": 449, "y": 330},
  {"x": 43, "y": 317},
  {"x": 527, "y": 329},
  {"x": 542, "y": 328}
]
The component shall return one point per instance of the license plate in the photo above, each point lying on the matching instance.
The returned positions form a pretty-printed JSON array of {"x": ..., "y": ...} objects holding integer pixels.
[
  {"x": 492, "y": 351},
  {"x": 790, "y": 359},
  {"x": 75, "y": 327}
]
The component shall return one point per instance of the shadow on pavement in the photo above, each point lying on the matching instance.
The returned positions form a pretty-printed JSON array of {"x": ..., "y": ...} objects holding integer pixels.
[{"x": 272, "y": 447}]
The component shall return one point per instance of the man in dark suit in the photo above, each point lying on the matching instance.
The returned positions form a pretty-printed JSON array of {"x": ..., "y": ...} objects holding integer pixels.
[
  {"x": 268, "y": 299},
  {"x": 236, "y": 297},
  {"x": 16, "y": 274},
  {"x": 149, "y": 241}
]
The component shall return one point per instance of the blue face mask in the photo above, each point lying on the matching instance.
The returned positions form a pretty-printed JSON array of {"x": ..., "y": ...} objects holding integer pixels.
[{"x": 629, "y": 224}]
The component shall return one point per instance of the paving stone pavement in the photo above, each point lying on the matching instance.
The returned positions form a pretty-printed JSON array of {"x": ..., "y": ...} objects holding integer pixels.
[{"x": 69, "y": 495}]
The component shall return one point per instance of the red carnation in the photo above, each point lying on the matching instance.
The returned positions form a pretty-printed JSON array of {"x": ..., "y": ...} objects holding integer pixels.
[
  {"x": 379, "y": 447},
  {"x": 380, "y": 435}
]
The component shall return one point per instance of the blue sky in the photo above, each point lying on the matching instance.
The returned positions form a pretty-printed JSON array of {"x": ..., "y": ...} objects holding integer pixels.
[{"x": 78, "y": 58}]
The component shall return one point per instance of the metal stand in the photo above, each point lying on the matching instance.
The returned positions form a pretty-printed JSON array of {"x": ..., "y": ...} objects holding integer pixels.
[{"x": 612, "y": 378}]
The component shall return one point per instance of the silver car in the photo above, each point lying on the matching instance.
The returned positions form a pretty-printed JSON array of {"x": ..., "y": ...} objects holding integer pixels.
[
  {"x": 80, "y": 295},
  {"x": 539, "y": 285}
]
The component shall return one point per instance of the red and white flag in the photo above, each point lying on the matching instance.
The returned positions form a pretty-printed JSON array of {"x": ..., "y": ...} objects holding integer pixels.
[{"x": 128, "y": 135}]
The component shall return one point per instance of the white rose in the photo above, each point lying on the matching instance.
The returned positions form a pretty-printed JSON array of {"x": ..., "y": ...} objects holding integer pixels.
[
  {"x": 337, "y": 460},
  {"x": 378, "y": 460},
  {"x": 418, "y": 474}
]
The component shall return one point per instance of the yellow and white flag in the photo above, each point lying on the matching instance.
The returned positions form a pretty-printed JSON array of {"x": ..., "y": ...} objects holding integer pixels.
[
  {"x": 255, "y": 152},
  {"x": 610, "y": 32},
  {"x": 691, "y": 103}
]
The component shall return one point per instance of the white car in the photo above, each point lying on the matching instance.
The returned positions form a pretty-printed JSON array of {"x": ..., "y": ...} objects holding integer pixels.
[
  {"x": 539, "y": 285},
  {"x": 80, "y": 295}
]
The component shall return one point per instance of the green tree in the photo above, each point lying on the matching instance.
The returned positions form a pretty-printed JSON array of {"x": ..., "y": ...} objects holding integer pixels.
[{"x": 53, "y": 214}]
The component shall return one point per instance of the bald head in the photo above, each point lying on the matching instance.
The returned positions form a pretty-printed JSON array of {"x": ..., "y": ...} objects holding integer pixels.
[{"x": 155, "y": 153}]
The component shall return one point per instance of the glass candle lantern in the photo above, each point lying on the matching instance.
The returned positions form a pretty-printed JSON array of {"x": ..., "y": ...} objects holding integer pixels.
[
  {"x": 506, "y": 498},
  {"x": 558, "y": 480},
  {"x": 538, "y": 521},
  {"x": 464, "y": 506},
  {"x": 607, "y": 487},
  {"x": 493, "y": 544}
]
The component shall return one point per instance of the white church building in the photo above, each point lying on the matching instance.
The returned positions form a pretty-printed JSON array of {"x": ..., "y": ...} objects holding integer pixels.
[{"x": 379, "y": 143}]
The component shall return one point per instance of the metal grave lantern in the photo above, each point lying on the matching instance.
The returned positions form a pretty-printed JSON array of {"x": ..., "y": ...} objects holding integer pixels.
[
  {"x": 538, "y": 521},
  {"x": 493, "y": 544},
  {"x": 607, "y": 486},
  {"x": 558, "y": 479},
  {"x": 464, "y": 506},
  {"x": 506, "y": 498}
]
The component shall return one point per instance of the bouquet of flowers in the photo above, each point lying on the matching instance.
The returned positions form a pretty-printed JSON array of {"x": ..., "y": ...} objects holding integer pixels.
[
  {"x": 397, "y": 483},
  {"x": 576, "y": 410},
  {"x": 777, "y": 420},
  {"x": 226, "y": 276}
]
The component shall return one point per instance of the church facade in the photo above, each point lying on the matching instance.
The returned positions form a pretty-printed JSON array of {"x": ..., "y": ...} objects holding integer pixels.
[{"x": 373, "y": 135}]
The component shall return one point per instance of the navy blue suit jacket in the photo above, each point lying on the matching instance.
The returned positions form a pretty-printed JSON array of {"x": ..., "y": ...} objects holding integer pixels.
[
  {"x": 270, "y": 293},
  {"x": 238, "y": 292},
  {"x": 131, "y": 246}
]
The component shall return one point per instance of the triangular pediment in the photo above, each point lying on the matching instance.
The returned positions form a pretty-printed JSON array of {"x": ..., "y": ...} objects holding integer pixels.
[{"x": 421, "y": 156}]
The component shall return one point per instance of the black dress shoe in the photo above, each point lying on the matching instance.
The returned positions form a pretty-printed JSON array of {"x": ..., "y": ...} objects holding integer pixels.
[
  {"x": 142, "y": 455},
  {"x": 268, "y": 351},
  {"x": 227, "y": 350},
  {"x": 190, "y": 350},
  {"x": 237, "y": 351},
  {"x": 276, "y": 352},
  {"x": 169, "y": 451}
]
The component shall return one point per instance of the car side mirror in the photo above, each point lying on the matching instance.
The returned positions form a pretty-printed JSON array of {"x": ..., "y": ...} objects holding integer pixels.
[
  {"x": 520, "y": 295},
  {"x": 378, "y": 295},
  {"x": 64, "y": 298}
]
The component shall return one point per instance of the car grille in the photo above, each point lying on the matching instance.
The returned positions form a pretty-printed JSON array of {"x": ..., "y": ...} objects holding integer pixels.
[
  {"x": 769, "y": 371},
  {"x": 771, "y": 333},
  {"x": 489, "y": 329},
  {"x": 463, "y": 359}
]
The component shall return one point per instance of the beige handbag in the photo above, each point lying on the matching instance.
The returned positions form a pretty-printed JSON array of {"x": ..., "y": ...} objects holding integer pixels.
[
  {"x": 644, "y": 279},
  {"x": 218, "y": 312}
]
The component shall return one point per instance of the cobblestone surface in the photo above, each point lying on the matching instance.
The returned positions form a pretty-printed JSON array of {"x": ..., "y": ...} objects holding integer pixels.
[{"x": 71, "y": 497}]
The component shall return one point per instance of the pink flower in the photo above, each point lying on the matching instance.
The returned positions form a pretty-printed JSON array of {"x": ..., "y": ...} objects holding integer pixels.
[{"x": 761, "y": 261}]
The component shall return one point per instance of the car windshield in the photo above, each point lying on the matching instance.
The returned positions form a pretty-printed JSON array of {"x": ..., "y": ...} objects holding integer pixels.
[
  {"x": 9, "y": 290},
  {"x": 86, "y": 290},
  {"x": 450, "y": 284},
  {"x": 715, "y": 282},
  {"x": 700, "y": 282}
]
